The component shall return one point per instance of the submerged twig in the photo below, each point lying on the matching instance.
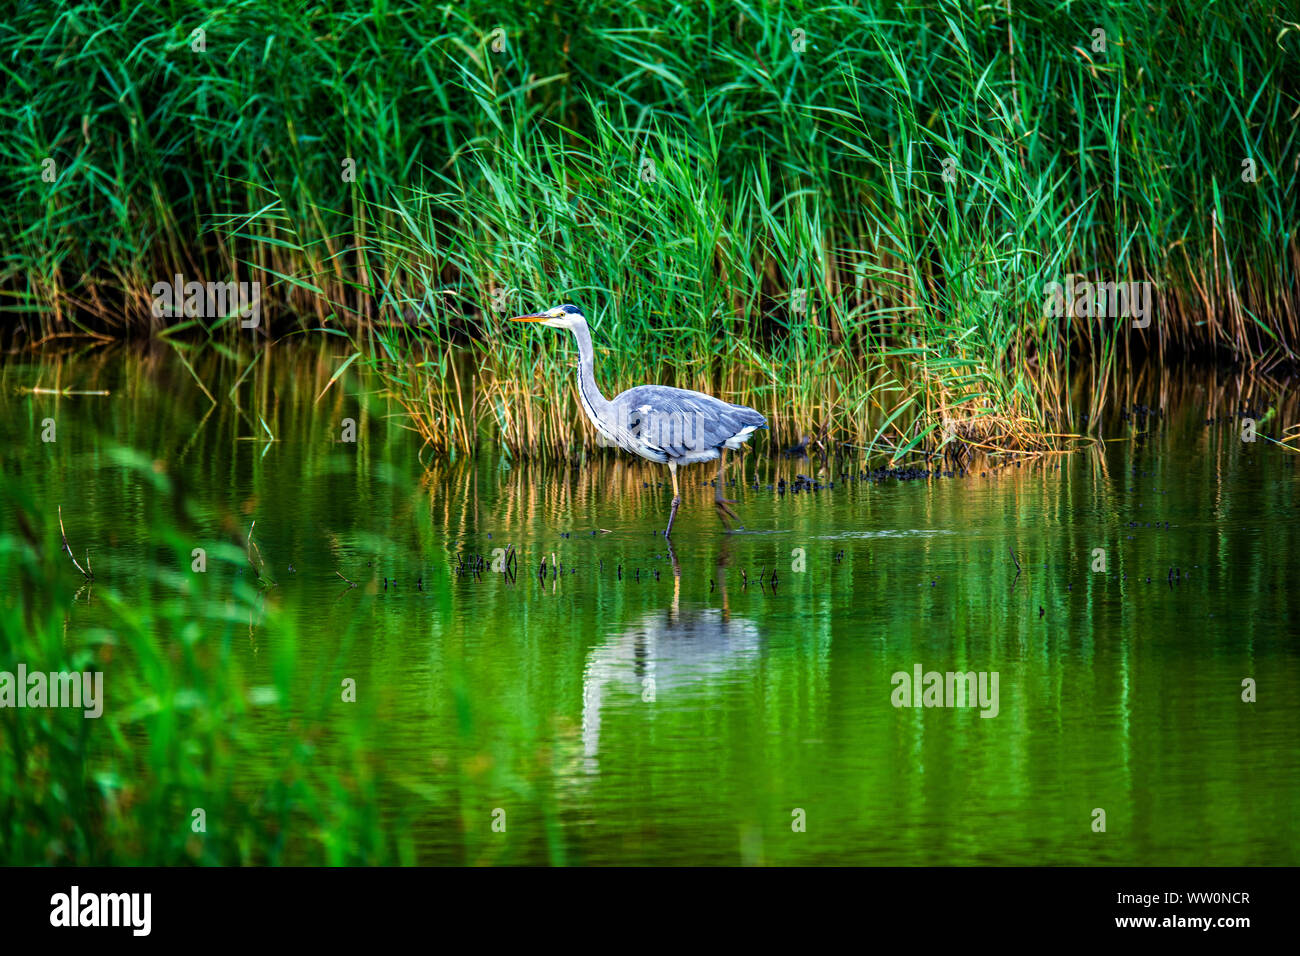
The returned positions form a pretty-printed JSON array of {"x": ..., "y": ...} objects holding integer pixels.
[
  {"x": 258, "y": 566},
  {"x": 250, "y": 547},
  {"x": 63, "y": 391},
  {"x": 68, "y": 548}
]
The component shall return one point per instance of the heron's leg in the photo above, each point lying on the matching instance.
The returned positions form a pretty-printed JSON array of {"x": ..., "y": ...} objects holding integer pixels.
[
  {"x": 677, "y": 498},
  {"x": 720, "y": 502}
]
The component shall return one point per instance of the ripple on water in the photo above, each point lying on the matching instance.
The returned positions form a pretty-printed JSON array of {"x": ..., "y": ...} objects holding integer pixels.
[{"x": 885, "y": 533}]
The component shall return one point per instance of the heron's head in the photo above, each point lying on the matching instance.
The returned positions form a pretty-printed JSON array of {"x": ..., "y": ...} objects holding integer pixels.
[{"x": 560, "y": 317}]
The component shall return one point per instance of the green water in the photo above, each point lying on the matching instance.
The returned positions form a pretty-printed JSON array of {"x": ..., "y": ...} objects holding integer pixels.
[{"x": 656, "y": 706}]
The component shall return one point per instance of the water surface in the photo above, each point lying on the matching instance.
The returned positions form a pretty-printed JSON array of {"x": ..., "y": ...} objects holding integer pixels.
[{"x": 632, "y": 703}]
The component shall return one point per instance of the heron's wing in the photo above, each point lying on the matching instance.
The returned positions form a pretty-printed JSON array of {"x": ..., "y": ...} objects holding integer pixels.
[{"x": 679, "y": 421}]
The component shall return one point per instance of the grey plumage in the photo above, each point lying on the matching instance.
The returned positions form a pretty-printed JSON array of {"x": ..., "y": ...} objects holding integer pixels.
[{"x": 683, "y": 425}]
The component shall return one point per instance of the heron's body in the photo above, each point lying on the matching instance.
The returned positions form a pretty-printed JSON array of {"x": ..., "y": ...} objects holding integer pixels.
[
  {"x": 671, "y": 426},
  {"x": 721, "y": 424}
]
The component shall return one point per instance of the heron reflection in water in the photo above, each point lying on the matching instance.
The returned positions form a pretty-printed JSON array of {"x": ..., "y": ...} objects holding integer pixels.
[{"x": 666, "y": 652}]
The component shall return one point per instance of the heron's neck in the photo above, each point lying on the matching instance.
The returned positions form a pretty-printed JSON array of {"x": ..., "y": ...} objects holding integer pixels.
[{"x": 594, "y": 403}]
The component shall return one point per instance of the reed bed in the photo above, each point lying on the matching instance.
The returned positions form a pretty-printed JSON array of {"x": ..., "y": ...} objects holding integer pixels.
[{"x": 846, "y": 215}]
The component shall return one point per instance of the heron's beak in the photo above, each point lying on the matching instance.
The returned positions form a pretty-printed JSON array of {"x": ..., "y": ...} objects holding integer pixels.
[{"x": 531, "y": 317}]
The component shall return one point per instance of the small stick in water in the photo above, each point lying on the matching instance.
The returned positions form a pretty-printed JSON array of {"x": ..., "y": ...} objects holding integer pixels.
[
  {"x": 252, "y": 549},
  {"x": 68, "y": 548}
]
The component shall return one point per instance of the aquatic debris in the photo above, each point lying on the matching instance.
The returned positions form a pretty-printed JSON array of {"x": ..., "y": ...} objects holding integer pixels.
[
  {"x": 259, "y": 565},
  {"x": 85, "y": 572}
]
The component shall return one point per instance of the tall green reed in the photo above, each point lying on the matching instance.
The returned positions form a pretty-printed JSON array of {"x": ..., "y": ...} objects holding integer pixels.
[{"x": 843, "y": 213}]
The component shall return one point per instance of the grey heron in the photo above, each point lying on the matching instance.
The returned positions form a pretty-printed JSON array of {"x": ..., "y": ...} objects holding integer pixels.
[{"x": 671, "y": 426}]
